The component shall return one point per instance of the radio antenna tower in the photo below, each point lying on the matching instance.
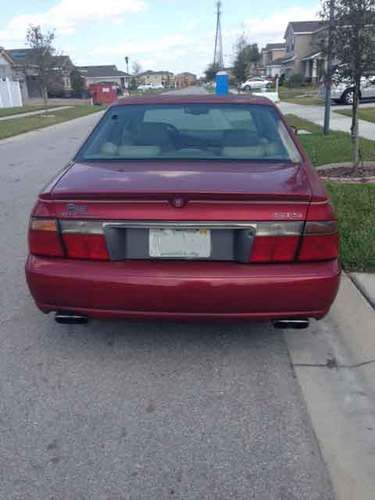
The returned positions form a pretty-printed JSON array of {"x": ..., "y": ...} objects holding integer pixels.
[{"x": 218, "y": 54}]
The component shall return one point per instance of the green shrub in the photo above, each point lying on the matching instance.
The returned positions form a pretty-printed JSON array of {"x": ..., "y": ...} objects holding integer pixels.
[{"x": 295, "y": 80}]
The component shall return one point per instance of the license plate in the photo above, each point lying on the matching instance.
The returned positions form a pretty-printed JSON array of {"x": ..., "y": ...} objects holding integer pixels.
[{"x": 180, "y": 243}]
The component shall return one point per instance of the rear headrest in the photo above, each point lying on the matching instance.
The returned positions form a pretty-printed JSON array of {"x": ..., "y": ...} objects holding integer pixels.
[
  {"x": 240, "y": 138},
  {"x": 153, "y": 134}
]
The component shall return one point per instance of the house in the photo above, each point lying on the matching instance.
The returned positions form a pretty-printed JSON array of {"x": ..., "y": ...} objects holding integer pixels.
[
  {"x": 6, "y": 65},
  {"x": 9, "y": 69},
  {"x": 63, "y": 68},
  {"x": 106, "y": 73},
  {"x": 156, "y": 78},
  {"x": 26, "y": 71},
  {"x": 272, "y": 56},
  {"x": 302, "y": 54},
  {"x": 10, "y": 87},
  {"x": 185, "y": 79}
]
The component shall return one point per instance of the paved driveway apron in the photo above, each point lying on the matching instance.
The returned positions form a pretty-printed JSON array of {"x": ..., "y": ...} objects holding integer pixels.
[{"x": 118, "y": 410}]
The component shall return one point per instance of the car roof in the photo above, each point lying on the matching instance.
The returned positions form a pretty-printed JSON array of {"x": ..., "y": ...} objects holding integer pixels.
[{"x": 191, "y": 99}]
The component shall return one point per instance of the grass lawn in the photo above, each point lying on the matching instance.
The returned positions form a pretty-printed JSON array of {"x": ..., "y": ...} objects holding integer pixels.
[
  {"x": 332, "y": 148},
  {"x": 17, "y": 126},
  {"x": 367, "y": 114},
  {"x": 307, "y": 96},
  {"x": 21, "y": 109},
  {"x": 354, "y": 203},
  {"x": 355, "y": 210}
]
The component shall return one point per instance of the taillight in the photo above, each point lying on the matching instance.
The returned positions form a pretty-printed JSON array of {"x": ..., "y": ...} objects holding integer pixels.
[
  {"x": 320, "y": 241},
  {"x": 44, "y": 238},
  {"x": 276, "y": 241},
  {"x": 84, "y": 240}
]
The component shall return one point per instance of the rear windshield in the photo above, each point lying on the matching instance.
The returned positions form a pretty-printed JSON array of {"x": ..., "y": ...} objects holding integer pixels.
[{"x": 191, "y": 131}]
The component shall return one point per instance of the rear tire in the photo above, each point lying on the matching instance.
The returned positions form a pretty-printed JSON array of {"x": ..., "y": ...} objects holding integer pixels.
[{"x": 247, "y": 88}]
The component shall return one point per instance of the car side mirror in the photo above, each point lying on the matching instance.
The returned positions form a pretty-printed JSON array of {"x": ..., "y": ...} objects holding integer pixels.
[{"x": 295, "y": 129}]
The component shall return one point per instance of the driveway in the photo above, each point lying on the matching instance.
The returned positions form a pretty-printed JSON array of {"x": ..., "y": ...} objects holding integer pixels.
[{"x": 121, "y": 410}]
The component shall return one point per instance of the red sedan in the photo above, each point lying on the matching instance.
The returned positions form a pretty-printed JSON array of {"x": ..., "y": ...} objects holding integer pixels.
[{"x": 186, "y": 207}]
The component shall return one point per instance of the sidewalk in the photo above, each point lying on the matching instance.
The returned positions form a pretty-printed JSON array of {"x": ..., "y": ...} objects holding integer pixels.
[
  {"x": 339, "y": 122},
  {"x": 32, "y": 113},
  {"x": 334, "y": 362}
]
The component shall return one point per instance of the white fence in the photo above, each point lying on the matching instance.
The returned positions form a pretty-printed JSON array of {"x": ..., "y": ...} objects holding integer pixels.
[{"x": 10, "y": 93}]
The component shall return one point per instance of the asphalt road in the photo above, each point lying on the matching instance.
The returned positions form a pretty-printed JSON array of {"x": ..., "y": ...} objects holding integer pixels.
[{"x": 119, "y": 410}]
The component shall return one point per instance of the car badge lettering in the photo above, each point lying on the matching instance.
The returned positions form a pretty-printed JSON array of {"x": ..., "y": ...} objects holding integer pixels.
[{"x": 288, "y": 215}]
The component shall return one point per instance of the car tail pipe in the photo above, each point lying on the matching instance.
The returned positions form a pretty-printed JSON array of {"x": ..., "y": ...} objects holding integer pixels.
[
  {"x": 296, "y": 324},
  {"x": 70, "y": 318}
]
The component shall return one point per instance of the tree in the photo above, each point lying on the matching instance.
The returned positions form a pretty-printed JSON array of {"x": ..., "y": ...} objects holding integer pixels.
[
  {"x": 246, "y": 58},
  {"x": 353, "y": 45},
  {"x": 211, "y": 71},
  {"x": 42, "y": 57},
  {"x": 137, "y": 70},
  {"x": 77, "y": 82}
]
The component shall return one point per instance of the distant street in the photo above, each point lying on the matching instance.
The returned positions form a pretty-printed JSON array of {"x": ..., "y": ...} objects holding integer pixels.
[
  {"x": 124, "y": 410},
  {"x": 188, "y": 90}
]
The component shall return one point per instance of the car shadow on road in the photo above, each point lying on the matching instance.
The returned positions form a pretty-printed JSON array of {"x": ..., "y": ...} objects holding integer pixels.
[{"x": 158, "y": 335}]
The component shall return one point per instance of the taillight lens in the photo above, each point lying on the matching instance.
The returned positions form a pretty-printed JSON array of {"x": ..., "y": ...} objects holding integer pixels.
[
  {"x": 84, "y": 240},
  {"x": 44, "y": 238},
  {"x": 276, "y": 241},
  {"x": 320, "y": 241}
]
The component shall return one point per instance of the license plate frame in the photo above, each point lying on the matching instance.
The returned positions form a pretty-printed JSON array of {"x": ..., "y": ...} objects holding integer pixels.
[{"x": 179, "y": 243}]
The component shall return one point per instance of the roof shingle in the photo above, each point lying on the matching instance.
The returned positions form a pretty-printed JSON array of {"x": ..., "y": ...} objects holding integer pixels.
[
  {"x": 104, "y": 71},
  {"x": 307, "y": 26}
]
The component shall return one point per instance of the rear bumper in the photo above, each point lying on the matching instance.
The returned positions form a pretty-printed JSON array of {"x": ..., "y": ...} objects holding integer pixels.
[{"x": 183, "y": 290}]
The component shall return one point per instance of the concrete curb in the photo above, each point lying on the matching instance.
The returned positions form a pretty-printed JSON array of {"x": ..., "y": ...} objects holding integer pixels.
[
  {"x": 367, "y": 288},
  {"x": 334, "y": 362}
]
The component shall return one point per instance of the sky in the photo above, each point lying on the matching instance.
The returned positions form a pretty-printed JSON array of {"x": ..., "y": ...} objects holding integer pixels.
[{"x": 174, "y": 35}]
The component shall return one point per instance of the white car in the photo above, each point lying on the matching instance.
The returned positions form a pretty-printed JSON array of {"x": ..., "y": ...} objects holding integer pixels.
[
  {"x": 342, "y": 91},
  {"x": 256, "y": 83},
  {"x": 150, "y": 86},
  {"x": 145, "y": 86}
]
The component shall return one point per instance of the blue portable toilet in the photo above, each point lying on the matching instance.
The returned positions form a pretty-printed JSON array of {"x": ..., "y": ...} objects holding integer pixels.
[{"x": 222, "y": 83}]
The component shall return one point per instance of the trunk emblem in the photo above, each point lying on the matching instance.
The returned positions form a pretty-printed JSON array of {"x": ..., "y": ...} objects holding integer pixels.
[
  {"x": 74, "y": 209},
  {"x": 178, "y": 202}
]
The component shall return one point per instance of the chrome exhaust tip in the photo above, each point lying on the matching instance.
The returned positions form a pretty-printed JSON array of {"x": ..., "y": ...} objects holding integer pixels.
[
  {"x": 67, "y": 318},
  {"x": 296, "y": 324}
]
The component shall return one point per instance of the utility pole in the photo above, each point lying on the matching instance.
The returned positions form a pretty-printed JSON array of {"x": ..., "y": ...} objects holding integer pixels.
[
  {"x": 218, "y": 53},
  {"x": 327, "y": 104},
  {"x": 127, "y": 64}
]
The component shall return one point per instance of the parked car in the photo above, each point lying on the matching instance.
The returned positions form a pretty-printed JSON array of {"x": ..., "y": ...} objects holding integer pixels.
[
  {"x": 186, "y": 207},
  {"x": 149, "y": 86},
  {"x": 256, "y": 83},
  {"x": 144, "y": 86},
  {"x": 342, "y": 90}
]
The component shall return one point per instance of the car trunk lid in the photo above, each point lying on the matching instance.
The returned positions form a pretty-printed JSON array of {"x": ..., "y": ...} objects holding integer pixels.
[{"x": 195, "y": 180}]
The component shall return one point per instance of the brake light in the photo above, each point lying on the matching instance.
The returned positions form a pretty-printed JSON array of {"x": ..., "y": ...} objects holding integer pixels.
[
  {"x": 320, "y": 241},
  {"x": 276, "y": 242},
  {"x": 44, "y": 238},
  {"x": 84, "y": 240}
]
